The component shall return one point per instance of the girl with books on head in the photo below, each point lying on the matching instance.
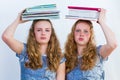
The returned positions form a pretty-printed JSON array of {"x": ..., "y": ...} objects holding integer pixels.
[
  {"x": 41, "y": 57},
  {"x": 84, "y": 60}
]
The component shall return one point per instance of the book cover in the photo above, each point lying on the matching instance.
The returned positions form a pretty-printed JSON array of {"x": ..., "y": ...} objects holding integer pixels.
[{"x": 41, "y": 8}]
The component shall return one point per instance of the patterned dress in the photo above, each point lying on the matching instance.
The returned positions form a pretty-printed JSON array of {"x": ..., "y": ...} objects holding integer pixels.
[
  {"x": 39, "y": 74},
  {"x": 97, "y": 73}
]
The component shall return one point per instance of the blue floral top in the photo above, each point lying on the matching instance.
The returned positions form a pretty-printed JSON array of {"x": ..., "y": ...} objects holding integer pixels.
[
  {"x": 39, "y": 74},
  {"x": 97, "y": 73}
]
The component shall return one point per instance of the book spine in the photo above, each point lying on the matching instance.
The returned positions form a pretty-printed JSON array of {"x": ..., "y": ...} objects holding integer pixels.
[
  {"x": 41, "y": 17},
  {"x": 83, "y": 8},
  {"x": 35, "y": 15},
  {"x": 42, "y": 12},
  {"x": 78, "y": 17}
]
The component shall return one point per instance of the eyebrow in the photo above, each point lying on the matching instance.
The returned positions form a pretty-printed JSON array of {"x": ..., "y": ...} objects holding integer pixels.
[{"x": 41, "y": 28}]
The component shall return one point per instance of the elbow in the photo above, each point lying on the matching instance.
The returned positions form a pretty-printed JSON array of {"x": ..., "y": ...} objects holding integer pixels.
[
  {"x": 5, "y": 37},
  {"x": 114, "y": 45}
]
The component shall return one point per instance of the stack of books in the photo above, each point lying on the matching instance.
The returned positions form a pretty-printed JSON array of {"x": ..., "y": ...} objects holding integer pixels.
[
  {"x": 86, "y": 13},
  {"x": 47, "y": 11}
]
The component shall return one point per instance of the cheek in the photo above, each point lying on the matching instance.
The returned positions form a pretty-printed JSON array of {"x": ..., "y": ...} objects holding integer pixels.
[
  {"x": 49, "y": 35},
  {"x": 37, "y": 35},
  {"x": 76, "y": 37},
  {"x": 87, "y": 36}
]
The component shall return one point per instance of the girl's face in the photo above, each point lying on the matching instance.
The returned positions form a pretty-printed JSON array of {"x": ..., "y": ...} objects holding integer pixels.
[
  {"x": 42, "y": 30},
  {"x": 82, "y": 34}
]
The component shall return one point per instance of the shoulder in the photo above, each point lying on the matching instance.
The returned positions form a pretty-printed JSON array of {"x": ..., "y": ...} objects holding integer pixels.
[
  {"x": 98, "y": 48},
  {"x": 23, "y": 54},
  {"x": 98, "y": 53}
]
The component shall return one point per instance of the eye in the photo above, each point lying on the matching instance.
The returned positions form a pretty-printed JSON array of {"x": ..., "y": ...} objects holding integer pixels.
[
  {"x": 85, "y": 31},
  {"x": 77, "y": 30},
  {"x": 38, "y": 29},
  {"x": 47, "y": 30}
]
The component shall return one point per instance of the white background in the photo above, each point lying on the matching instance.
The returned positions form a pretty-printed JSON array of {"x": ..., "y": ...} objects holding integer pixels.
[{"x": 9, "y": 9}]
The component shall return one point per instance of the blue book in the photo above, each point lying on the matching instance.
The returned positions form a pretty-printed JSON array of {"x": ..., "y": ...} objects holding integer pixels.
[{"x": 38, "y": 8}]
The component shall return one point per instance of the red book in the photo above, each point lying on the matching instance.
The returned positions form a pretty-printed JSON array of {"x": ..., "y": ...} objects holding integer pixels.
[{"x": 84, "y": 8}]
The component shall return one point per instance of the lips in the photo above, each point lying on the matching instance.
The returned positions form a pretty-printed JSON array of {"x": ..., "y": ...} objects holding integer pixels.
[
  {"x": 43, "y": 38},
  {"x": 81, "y": 39}
]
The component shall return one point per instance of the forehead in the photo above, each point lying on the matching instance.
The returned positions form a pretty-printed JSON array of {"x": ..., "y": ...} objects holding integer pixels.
[
  {"x": 82, "y": 25},
  {"x": 43, "y": 24}
]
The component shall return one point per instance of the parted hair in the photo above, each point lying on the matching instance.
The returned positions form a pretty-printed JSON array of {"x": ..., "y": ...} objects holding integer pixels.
[
  {"x": 89, "y": 55},
  {"x": 53, "y": 50}
]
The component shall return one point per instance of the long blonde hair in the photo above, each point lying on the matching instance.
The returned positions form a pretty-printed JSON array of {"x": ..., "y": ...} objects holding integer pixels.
[
  {"x": 89, "y": 53},
  {"x": 53, "y": 50}
]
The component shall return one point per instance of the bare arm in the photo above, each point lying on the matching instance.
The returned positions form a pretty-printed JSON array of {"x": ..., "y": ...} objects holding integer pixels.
[
  {"x": 61, "y": 72},
  {"x": 8, "y": 36},
  {"x": 111, "y": 44}
]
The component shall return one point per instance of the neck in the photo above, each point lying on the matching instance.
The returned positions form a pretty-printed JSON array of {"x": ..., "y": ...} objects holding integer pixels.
[
  {"x": 80, "y": 49},
  {"x": 43, "y": 48}
]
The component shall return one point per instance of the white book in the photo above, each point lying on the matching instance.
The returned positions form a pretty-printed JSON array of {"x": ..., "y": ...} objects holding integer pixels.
[
  {"x": 35, "y": 15},
  {"x": 78, "y": 17},
  {"x": 41, "y": 17},
  {"x": 41, "y": 12}
]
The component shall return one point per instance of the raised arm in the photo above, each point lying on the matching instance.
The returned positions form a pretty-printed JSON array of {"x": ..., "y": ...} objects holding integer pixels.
[
  {"x": 111, "y": 42},
  {"x": 8, "y": 35}
]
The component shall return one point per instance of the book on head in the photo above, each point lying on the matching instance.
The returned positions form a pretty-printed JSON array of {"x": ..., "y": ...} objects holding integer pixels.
[{"x": 47, "y": 11}]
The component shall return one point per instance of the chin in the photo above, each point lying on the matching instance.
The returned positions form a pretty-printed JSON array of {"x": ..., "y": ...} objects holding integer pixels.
[
  {"x": 43, "y": 42},
  {"x": 81, "y": 44}
]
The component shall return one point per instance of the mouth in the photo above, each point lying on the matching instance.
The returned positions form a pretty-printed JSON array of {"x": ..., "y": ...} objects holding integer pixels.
[
  {"x": 81, "y": 39},
  {"x": 43, "y": 38}
]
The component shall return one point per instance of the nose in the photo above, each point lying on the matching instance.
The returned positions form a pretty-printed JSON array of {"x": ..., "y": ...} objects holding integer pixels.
[
  {"x": 43, "y": 32},
  {"x": 81, "y": 33}
]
